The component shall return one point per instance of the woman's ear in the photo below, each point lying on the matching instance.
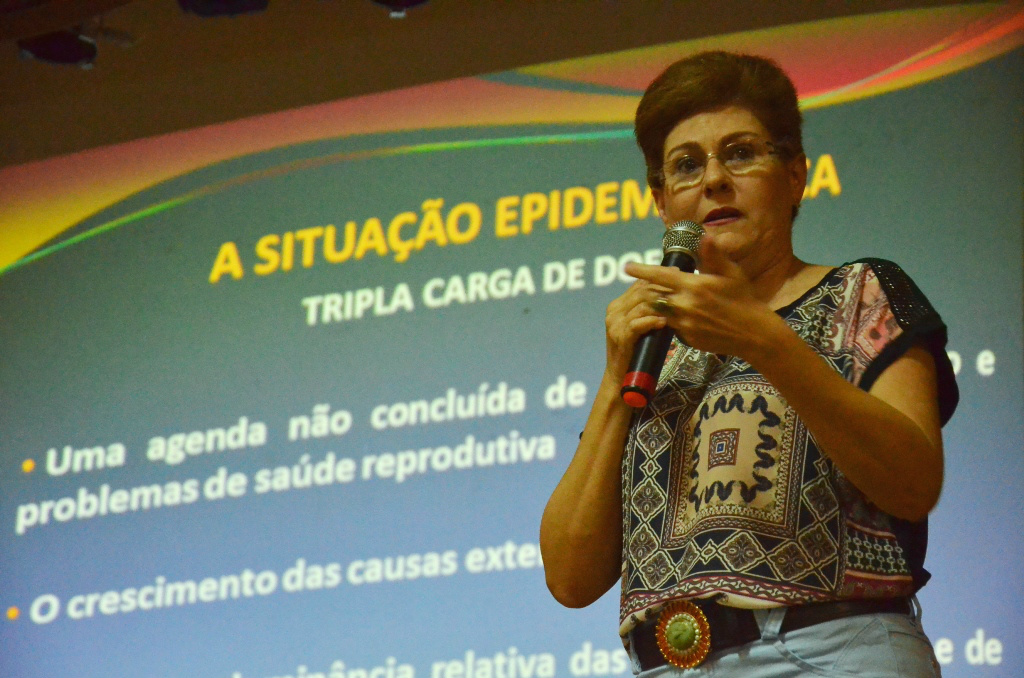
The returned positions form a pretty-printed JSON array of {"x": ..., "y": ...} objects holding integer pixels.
[
  {"x": 659, "y": 202},
  {"x": 797, "y": 171}
]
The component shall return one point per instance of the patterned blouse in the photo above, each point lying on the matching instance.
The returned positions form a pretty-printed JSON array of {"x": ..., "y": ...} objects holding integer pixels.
[{"x": 725, "y": 492}]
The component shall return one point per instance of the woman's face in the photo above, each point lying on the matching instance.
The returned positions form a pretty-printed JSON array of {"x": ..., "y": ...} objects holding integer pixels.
[{"x": 748, "y": 214}]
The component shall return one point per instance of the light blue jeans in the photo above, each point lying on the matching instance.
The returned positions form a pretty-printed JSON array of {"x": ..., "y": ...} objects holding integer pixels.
[{"x": 865, "y": 646}]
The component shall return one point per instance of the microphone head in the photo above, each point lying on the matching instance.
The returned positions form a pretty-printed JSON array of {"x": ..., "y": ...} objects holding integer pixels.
[{"x": 683, "y": 236}]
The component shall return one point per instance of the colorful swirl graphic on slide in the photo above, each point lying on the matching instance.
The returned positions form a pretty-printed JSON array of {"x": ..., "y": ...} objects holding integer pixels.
[{"x": 42, "y": 202}]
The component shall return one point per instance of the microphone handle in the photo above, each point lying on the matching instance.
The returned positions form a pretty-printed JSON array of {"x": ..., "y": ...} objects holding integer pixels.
[{"x": 649, "y": 353}]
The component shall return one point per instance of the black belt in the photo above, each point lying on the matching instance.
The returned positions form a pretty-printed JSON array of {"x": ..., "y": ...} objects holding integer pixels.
[{"x": 733, "y": 626}]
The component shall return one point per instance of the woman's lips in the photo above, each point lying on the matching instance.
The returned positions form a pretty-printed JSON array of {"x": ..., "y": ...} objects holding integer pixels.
[{"x": 721, "y": 216}]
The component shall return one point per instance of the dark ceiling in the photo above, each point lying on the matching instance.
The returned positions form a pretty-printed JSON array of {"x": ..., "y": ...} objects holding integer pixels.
[{"x": 161, "y": 70}]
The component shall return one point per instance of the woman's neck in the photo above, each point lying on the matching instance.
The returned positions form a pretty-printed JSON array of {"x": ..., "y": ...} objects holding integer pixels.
[{"x": 786, "y": 280}]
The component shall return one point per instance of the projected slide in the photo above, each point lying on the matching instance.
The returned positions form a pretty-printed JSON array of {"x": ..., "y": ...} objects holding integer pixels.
[{"x": 286, "y": 397}]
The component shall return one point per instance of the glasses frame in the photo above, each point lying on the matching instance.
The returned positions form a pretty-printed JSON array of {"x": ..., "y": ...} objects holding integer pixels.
[{"x": 772, "y": 148}]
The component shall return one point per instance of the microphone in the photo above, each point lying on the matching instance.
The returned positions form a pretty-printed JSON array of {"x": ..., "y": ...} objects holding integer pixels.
[{"x": 680, "y": 243}]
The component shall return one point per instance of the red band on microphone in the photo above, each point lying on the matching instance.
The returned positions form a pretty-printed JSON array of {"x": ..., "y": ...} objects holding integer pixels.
[{"x": 637, "y": 388}]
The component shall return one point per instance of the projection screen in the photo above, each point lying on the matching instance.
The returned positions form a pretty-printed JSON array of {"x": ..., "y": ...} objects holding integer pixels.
[{"x": 286, "y": 396}]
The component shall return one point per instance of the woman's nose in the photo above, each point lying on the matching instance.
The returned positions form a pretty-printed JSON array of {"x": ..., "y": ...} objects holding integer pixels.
[{"x": 716, "y": 178}]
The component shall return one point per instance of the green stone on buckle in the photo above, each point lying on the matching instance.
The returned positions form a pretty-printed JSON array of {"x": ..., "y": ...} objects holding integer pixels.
[{"x": 682, "y": 632}]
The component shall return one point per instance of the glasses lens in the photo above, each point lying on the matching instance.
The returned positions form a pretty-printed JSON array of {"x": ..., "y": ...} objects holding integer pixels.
[
  {"x": 738, "y": 157},
  {"x": 685, "y": 170},
  {"x": 744, "y": 156}
]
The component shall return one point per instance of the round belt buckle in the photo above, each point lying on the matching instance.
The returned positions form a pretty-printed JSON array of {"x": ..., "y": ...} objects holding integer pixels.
[{"x": 683, "y": 633}]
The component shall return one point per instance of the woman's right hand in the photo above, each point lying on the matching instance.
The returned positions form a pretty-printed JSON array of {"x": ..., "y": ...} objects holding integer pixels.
[
  {"x": 628, "y": 318},
  {"x": 581, "y": 529}
]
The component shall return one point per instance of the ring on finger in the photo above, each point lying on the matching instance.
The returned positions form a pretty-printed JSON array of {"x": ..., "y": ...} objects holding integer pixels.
[{"x": 664, "y": 306}]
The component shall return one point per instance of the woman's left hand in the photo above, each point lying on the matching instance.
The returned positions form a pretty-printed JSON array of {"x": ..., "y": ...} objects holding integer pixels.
[{"x": 714, "y": 311}]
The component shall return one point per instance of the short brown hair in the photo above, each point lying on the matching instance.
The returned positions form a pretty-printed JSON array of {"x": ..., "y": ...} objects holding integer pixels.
[{"x": 711, "y": 80}]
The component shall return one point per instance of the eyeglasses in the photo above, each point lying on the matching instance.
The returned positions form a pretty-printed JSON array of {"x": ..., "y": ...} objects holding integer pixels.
[{"x": 738, "y": 157}]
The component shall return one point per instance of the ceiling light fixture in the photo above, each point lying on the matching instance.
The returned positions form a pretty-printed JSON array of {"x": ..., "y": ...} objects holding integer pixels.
[
  {"x": 213, "y": 8},
  {"x": 68, "y": 47},
  {"x": 398, "y": 7}
]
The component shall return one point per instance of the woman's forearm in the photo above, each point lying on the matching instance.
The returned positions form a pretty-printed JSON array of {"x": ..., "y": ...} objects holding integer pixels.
[
  {"x": 581, "y": 529},
  {"x": 886, "y": 442}
]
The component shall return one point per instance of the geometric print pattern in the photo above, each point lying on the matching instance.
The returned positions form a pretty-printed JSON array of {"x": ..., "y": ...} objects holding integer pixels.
[
  {"x": 726, "y": 494},
  {"x": 724, "y": 447}
]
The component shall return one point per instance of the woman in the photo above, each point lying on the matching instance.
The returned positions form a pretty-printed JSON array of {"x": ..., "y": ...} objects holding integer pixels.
[{"x": 768, "y": 508}]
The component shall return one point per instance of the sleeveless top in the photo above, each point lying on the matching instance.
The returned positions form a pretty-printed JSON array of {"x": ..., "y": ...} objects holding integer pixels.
[{"x": 725, "y": 492}]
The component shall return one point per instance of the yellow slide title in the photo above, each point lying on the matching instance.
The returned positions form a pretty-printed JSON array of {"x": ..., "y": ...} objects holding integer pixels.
[{"x": 436, "y": 225}]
